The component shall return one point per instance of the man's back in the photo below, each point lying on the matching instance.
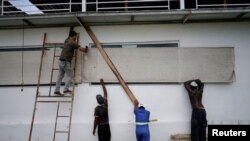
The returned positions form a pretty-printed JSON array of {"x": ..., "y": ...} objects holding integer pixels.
[
  {"x": 68, "y": 50},
  {"x": 142, "y": 120},
  {"x": 195, "y": 93},
  {"x": 142, "y": 115},
  {"x": 102, "y": 112}
]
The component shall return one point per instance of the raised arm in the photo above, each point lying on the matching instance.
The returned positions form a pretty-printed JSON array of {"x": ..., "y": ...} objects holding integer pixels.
[
  {"x": 187, "y": 85},
  {"x": 201, "y": 87},
  {"x": 104, "y": 89},
  {"x": 200, "y": 84},
  {"x": 136, "y": 103}
]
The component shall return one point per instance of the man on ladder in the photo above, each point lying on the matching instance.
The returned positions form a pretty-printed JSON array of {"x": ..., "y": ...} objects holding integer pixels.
[{"x": 64, "y": 62}]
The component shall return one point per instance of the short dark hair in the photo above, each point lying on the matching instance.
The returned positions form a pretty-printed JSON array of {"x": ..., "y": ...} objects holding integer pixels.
[
  {"x": 194, "y": 88},
  {"x": 72, "y": 33},
  {"x": 99, "y": 99}
]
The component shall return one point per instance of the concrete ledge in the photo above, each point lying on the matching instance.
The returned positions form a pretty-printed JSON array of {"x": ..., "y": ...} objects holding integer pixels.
[{"x": 181, "y": 137}]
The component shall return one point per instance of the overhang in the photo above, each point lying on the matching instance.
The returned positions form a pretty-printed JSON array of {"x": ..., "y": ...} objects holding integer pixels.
[{"x": 125, "y": 18}]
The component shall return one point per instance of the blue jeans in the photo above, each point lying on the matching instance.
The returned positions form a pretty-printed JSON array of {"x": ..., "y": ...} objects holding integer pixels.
[
  {"x": 142, "y": 133},
  {"x": 64, "y": 67}
]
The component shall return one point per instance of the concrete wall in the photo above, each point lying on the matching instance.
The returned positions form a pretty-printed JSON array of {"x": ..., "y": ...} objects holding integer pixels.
[{"x": 169, "y": 103}]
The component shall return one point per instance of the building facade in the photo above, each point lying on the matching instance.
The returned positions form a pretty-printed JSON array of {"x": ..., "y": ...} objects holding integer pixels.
[{"x": 182, "y": 26}]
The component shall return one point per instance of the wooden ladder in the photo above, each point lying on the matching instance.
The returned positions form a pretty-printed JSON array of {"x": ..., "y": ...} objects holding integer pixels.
[{"x": 59, "y": 101}]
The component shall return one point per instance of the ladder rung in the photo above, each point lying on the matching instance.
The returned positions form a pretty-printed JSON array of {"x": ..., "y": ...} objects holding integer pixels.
[
  {"x": 55, "y": 69},
  {"x": 62, "y": 131},
  {"x": 57, "y": 56},
  {"x": 54, "y": 96},
  {"x": 55, "y": 99},
  {"x": 54, "y": 43},
  {"x": 44, "y": 101},
  {"x": 63, "y": 116}
]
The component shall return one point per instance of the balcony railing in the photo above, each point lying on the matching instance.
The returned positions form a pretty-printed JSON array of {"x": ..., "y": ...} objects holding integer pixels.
[
  {"x": 68, "y": 6},
  {"x": 221, "y": 3},
  {"x": 132, "y": 5},
  {"x": 39, "y": 8}
]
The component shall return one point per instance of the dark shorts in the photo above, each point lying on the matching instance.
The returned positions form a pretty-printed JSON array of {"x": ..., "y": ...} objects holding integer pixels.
[
  {"x": 104, "y": 132},
  {"x": 198, "y": 125}
]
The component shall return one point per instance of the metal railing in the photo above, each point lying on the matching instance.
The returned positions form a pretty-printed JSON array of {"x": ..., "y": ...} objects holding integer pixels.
[
  {"x": 6, "y": 8},
  {"x": 221, "y": 4},
  {"x": 50, "y": 7},
  {"x": 89, "y": 5},
  {"x": 129, "y": 5}
]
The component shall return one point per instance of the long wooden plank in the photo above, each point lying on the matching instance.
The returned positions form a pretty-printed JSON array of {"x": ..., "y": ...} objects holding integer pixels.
[{"x": 110, "y": 64}]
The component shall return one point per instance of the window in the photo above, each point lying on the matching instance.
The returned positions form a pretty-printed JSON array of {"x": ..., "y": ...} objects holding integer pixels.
[
  {"x": 152, "y": 44},
  {"x": 139, "y": 44}
]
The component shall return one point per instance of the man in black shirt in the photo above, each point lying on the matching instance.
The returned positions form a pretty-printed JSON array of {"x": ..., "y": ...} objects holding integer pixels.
[{"x": 101, "y": 116}]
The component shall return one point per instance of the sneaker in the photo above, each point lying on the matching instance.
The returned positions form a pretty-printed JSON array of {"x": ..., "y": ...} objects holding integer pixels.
[
  {"x": 68, "y": 91},
  {"x": 58, "y": 93}
]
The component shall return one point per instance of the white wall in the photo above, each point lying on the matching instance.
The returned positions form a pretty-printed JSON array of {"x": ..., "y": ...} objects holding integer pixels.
[{"x": 169, "y": 103}]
